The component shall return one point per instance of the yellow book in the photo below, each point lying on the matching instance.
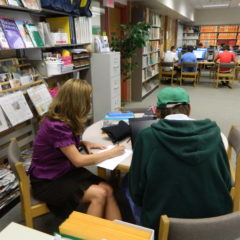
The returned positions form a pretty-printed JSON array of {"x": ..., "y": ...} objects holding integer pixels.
[
  {"x": 60, "y": 24},
  {"x": 92, "y": 228}
]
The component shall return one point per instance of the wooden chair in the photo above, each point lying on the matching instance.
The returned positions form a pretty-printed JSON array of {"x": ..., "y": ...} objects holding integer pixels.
[
  {"x": 163, "y": 74},
  {"x": 31, "y": 207},
  {"x": 234, "y": 144},
  {"x": 190, "y": 75},
  {"x": 228, "y": 76},
  {"x": 225, "y": 227}
]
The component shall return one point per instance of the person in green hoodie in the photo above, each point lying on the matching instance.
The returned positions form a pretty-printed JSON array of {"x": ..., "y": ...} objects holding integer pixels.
[{"x": 179, "y": 165}]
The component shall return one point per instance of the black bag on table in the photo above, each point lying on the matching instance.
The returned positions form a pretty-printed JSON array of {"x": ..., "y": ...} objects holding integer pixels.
[{"x": 118, "y": 132}]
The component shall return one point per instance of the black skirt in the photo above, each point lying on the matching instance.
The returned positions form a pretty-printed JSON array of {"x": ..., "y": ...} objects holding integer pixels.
[{"x": 63, "y": 195}]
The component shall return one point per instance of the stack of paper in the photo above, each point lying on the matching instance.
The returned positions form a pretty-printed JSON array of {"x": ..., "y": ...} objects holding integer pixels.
[
  {"x": 8, "y": 186},
  {"x": 113, "y": 162}
]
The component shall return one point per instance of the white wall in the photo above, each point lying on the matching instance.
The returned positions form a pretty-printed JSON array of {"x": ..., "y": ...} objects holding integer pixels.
[
  {"x": 217, "y": 16},
  {"x": 183, "y": 7}
]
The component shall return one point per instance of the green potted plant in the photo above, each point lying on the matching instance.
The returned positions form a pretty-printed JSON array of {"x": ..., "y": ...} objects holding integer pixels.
[{"x": 133, "y": 37}]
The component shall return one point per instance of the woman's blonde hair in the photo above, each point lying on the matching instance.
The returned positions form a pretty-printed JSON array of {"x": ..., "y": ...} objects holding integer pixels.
[{"x": 72, "y": 104}]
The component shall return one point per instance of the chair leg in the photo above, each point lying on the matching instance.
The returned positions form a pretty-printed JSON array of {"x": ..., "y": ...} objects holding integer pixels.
[{"x": 28, "y": 220}]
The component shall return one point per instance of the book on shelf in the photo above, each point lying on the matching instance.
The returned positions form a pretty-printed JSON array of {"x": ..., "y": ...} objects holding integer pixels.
[
  {"x": 34, "y": 34},
  {"x": 31, "y": 4},
  {"x": 16, "y": 108},
  {"x": 12, "y": 33},
  {"x": 3, "y": 40},
  {"x": 61, "y": 25},
  {"x": 83, "y": 29},
  {"x": 45, "y": 33},
  {"x": 24, "y": 33},
  {"x": 40, "y": 98}
]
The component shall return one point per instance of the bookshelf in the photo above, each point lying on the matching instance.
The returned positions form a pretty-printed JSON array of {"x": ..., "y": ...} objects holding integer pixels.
[
  {"x": 145, "y": 77},
  {"x": 190, "y": 36},
  {"x": 25, "y": 131},
  {"x": 213, "y": 35}
]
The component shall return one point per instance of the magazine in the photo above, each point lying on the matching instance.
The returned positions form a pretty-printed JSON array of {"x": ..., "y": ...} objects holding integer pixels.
[
  {"x": 40, "y": 98},
  {"x": 12, "y": 33},
  {"x": 16, "y": 108},
  {"x": 3, "y": 121}
]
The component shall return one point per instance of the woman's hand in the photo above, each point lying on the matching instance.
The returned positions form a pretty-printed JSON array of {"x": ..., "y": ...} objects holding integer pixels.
[
  {"x": 117, "y": 151},
  {"x": 90, "y": 145}
]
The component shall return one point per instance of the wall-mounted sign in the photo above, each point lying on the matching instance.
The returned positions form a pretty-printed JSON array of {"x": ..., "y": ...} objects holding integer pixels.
[{"x": 108, "y": 3}]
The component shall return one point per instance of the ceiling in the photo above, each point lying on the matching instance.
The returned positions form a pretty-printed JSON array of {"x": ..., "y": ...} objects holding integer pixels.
[{"x": 203, "y": 4}]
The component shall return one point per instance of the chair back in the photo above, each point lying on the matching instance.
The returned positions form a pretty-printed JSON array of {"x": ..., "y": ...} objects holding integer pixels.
[
  {"x": 189, "y": 64},
  {"x": 234, "y": 144},
  {"x": 14, "y": 154},
  {"x": 166, "y": 64},
  {"x": 234, "y": 139},
  {"x": 229, "y": 66},
  {"x": 225, "y": 227}
]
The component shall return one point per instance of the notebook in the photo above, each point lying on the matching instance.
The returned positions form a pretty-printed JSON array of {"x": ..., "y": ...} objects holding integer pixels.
[{"x": 138, "y": 124}]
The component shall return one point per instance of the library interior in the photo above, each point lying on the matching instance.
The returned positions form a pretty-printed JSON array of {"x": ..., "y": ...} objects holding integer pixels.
[{"x": 119, "y": 119}]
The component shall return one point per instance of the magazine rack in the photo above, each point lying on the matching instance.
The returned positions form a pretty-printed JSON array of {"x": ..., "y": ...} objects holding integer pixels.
[{"x": 25, "y": 131}]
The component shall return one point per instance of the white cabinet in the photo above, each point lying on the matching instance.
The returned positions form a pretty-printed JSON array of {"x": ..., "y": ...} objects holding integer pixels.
[{"x": 105, "y": 71}]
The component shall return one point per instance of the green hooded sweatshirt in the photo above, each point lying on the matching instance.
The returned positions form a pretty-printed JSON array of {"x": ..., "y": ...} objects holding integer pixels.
[{"x": 180, "y": 168}]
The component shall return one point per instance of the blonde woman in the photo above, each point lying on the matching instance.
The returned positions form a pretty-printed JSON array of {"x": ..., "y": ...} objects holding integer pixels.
[{"x": 56, "y": 173}]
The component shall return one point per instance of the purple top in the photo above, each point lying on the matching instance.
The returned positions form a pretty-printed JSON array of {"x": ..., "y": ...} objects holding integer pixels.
[{"x": 48, "y": 161}]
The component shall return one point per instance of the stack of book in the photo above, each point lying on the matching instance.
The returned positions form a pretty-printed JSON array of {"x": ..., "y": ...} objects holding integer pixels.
[
  {"x": 83, "y": 226},
  {"x": 119, "y": 115}
]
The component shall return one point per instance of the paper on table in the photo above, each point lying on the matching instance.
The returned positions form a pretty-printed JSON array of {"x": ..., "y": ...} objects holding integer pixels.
[{"x": 113, "y": 162}]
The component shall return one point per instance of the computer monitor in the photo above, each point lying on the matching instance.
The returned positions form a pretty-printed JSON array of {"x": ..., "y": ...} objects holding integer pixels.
[
  {"x": 138, "y": 124},
  {"x": 199, "y": 54},
  {"x": 202, "y": 49}
]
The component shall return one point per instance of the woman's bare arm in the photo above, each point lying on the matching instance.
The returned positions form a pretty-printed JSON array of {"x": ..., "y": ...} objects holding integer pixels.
[{"x": 80, "y": 160}]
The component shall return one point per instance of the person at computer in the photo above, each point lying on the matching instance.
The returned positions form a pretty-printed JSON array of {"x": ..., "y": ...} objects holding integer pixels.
[
  {"x": 225, "y": 57},
  {"x": 170, "y": 56},
  {"x": 188, "y": 57},
  {"x": 57, "y": 172},
  {"x": 179, "y": 165},
  {"x": 200, "y": 45}
]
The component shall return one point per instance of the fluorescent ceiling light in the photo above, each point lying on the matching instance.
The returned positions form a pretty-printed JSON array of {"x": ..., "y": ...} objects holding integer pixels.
[{"x": 216, "y": 5}]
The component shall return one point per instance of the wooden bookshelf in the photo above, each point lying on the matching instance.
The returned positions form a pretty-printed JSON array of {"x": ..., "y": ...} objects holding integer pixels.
[{"x": 148, "y": 58}]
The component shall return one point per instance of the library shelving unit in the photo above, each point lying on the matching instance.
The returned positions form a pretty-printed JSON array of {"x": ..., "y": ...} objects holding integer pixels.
[
  {"x": 25, "y": 131},
  {"x": 145, "y": 78},
  {"x": 190, "y": 36},
  {"x": 217, "y": 34}
]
